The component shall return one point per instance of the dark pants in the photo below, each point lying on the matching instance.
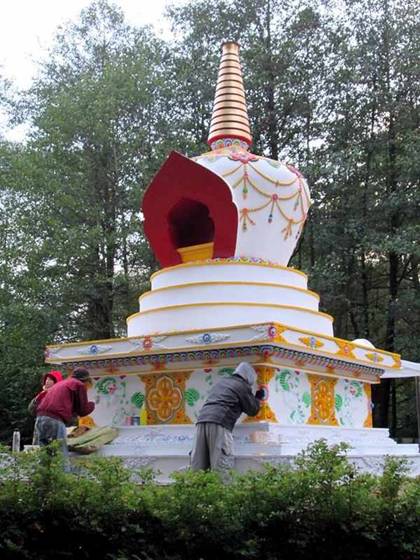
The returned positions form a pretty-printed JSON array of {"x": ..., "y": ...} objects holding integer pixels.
[
  {"x": 49, "y": 429},
  {"x": 213, "y": 448}
]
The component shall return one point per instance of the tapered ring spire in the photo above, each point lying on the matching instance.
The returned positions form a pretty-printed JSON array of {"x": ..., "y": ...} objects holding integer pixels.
[{"x": 230, "y": 116}]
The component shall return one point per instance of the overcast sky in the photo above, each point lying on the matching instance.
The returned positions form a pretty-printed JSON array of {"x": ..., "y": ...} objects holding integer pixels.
[{"x": 27, "y": 28}]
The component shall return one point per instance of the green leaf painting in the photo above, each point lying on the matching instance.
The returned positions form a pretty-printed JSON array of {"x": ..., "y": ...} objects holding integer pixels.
[
  {"x": 283, "y": 378},
  {"x": 226, "y": 372},
  {"x": 306, "y": 398},
  {"x": 338, "y": 402},
  {"x": 137, "y": 399},
  {"x": 356, "y": 389},
  {"x": 104, "y": 385},
  {"x": 191, "y": 396}
]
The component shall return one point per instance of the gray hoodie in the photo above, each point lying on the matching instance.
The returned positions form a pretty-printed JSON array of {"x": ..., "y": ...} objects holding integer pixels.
[
  {"x": 247, "y": 372},
  {"x": 230, "y": 397}
]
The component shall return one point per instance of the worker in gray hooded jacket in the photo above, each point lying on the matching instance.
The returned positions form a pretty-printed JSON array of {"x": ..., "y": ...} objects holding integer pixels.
[{"x": 228, "y": 399}]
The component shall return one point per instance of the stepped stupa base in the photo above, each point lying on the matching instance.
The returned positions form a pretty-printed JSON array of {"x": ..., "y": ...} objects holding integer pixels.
[
  {"x": 165, "y": 449},
  {"x": 152, "y": 388}
]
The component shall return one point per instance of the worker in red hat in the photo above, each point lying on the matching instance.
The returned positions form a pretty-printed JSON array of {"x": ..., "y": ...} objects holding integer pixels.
[{"x": 48, "y": 380}]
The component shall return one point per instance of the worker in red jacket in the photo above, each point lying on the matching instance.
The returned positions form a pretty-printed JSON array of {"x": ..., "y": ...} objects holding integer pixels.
[
  {"x": 48, "y": 381},
  {"x": 61, "y": 404}
]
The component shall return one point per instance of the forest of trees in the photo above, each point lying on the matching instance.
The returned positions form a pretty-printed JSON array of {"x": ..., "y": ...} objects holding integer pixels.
[{"x": 332, "y": 87}]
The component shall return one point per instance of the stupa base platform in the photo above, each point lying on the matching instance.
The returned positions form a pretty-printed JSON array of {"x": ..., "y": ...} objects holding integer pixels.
[
  {"x": 166, "y": 449},
  {"x": 314, "y": 386}
]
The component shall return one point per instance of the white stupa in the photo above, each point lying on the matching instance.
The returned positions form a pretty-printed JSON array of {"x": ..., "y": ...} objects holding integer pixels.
[{"x": 224, "y": 226}]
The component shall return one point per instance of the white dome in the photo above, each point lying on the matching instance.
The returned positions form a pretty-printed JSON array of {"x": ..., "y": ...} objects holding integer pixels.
[
  {"x": 363, "y": 342},
  {"x": 272, "y": 199}
]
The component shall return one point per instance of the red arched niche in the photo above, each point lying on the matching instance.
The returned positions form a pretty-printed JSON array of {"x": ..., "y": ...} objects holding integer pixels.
[{"x": 187, "y": 204}]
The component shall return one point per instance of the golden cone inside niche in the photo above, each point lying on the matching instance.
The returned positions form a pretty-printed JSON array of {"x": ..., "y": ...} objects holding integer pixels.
[{"x": 230, "y": 115}]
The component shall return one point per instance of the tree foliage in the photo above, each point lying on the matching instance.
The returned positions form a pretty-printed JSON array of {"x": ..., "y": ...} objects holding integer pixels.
[{"x": 321, "y": 507}]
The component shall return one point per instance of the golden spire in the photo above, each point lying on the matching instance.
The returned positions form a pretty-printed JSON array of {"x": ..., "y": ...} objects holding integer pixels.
[{"x": 230, "y": 116}]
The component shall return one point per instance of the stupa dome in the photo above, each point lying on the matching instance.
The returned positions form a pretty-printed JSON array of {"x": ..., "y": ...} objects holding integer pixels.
[
  {"x": 363, "y": 342},
  {"x": 272, "y": 199},
  {"x": 243, "y": 206},
  {"x": 223, "y": 226}
]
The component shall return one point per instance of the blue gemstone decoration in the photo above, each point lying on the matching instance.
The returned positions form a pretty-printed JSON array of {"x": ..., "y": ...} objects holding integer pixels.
[
  {"x": 265, "y": 393},
  {"x": 93, "y": 349},
  {"x": 206, "y": 338}
]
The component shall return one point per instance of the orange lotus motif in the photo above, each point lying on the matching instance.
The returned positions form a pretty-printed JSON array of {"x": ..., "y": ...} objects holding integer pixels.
[{"x": 164, "y": 399}]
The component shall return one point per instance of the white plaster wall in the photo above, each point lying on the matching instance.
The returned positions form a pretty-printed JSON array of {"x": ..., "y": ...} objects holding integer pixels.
[
  {"x": 227, "y": 272},
  {"x": 290, "y": 396},
  {"x": 241, "y": 292},
  {"x": 216, "y": 316},
  {"x": 351, "y": 403},
  {"x": 115, "y": 399}
]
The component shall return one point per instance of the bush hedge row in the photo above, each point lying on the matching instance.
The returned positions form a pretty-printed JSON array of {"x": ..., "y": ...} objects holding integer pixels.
[{"x": 321, "y": 508}]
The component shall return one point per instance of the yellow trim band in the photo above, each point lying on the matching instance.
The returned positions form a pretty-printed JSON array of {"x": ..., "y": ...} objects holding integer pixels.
[
  {"x": 227, "y": 263},
  {"x": 223, "y": 345},
  {"x": 393, "y": 355},
  {"x": 226, "y": 303},
  {"x": 217, "y": 283}
]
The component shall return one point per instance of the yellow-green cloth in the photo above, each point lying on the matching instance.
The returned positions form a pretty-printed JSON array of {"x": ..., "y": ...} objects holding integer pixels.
[{"x": 92, "y": 440}]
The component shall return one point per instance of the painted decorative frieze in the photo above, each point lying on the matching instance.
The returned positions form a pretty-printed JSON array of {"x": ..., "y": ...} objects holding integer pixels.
[
  {"x": 118, "y": 400},
  {"x": 140, "y": 354},
  {"x": 350, "y": 403},
  {"x": 291, "y": 398}
]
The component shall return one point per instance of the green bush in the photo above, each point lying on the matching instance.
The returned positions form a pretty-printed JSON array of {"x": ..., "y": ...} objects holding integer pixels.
[{"x": 320, "y": 508}]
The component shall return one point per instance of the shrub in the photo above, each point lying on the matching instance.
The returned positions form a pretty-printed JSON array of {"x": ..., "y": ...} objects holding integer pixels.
[{"x": 322, "y": 507}]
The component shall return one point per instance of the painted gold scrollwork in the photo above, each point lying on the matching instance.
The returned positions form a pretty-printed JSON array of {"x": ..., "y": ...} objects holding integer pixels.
[
  {"x": 265, "y": 374},
  {"x": 368, "y": 423},
  {"x": 322, "y": 400}
]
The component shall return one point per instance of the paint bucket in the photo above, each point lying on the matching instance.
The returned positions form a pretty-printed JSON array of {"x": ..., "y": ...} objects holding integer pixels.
[{"x": 143, "y": 416}]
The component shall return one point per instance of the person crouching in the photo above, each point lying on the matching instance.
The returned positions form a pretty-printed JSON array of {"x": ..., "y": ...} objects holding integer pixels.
[{"x": 60, "y": 405}]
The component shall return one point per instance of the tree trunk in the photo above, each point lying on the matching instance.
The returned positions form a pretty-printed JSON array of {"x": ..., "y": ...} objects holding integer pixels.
[
  {"x": 272, "y": 129},
  {"x": 382, "y": 393}
]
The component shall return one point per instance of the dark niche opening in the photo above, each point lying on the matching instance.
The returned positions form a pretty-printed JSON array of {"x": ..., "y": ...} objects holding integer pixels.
[{"x": 190, "y": 224}]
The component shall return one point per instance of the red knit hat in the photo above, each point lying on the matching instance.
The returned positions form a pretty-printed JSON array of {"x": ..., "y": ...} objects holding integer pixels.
[{"x": 55, "y": 375}]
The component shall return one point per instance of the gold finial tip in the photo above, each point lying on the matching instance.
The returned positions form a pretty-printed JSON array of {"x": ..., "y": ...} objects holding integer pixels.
[
  {"x": 230, "y": 47},
  {"x": 230, "y": 117}
]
